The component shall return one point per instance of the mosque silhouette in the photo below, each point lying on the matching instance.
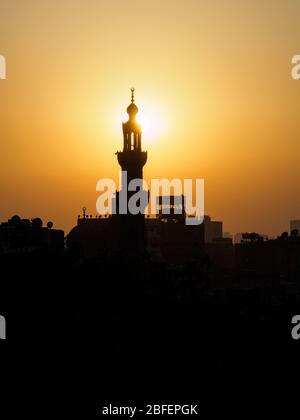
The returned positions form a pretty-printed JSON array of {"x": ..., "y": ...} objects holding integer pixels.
[
  {"x": 165, "y": 237},
  {"x": 135, "y": 310}
]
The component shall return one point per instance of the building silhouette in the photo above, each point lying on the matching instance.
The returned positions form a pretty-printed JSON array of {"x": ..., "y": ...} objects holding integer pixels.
[
  {"x": 165, "y": 237},
  {"x": 213, "y": 229},
  {"x": 122, "y": 231},
  {"x": 200, "y": 317},
  {"x": 132, "y": 160},
  {"x": 295, "y": 226},
  {"x": 25, "y": 236}
]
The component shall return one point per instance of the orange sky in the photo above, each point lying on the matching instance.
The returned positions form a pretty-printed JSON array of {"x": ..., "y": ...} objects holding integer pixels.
[{"x": 212, "y": 77}]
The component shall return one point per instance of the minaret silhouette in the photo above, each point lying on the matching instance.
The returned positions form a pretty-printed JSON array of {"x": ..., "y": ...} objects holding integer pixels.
[{"x": 131, "y": 159}]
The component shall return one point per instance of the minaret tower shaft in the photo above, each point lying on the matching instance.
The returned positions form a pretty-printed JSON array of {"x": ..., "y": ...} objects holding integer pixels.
[{"x": 131, "y": 159}]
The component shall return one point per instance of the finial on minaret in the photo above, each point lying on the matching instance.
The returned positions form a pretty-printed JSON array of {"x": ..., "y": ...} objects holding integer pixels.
[
  {"x": 132, "y": 94},
  {"x": 132, "y": 109}
]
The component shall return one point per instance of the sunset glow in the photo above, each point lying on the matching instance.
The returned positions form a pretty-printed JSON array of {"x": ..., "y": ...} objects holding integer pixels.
[
  {"x": 150, "y": 208},
  {"x": 215, "y": 95}
]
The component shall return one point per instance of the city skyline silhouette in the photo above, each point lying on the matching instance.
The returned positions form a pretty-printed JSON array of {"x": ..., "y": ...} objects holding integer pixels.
[{"x": 106, "y": 308}]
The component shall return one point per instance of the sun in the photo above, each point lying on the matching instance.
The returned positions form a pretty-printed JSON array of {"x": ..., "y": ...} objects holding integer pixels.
[
  {"x": 152, "y": 115},
  {"x": 153, "y": 121}
]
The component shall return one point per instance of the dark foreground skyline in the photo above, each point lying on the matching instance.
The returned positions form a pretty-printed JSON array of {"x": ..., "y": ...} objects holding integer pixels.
[{"x": 126, "y": 310}]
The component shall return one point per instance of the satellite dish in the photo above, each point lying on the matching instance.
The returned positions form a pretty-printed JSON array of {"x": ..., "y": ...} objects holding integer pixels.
[
  {"x": 37, "y": 222},
  {"x": 15, "y": 220}
]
